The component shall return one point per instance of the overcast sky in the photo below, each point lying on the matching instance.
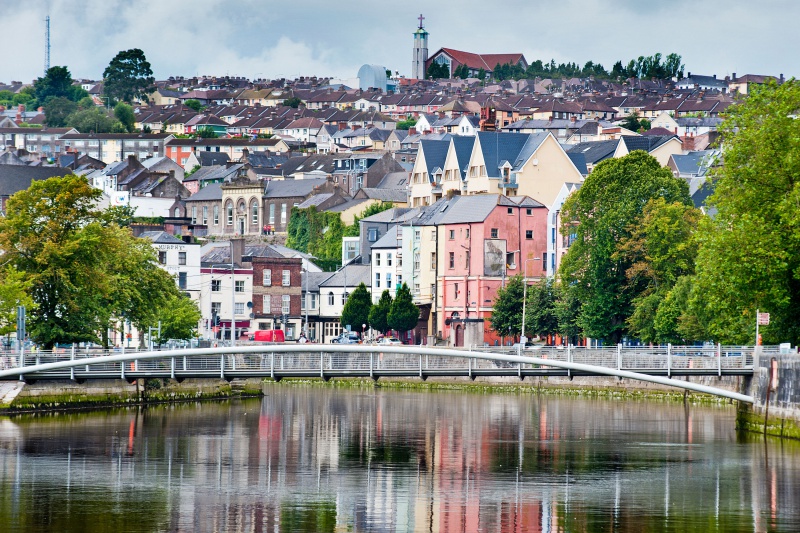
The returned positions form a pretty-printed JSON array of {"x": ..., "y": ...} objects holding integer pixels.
[{"x": 273, "y": 39}]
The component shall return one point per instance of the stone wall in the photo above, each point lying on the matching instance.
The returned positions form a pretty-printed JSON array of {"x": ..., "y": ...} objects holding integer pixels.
[{"x": 781, "y": 417}]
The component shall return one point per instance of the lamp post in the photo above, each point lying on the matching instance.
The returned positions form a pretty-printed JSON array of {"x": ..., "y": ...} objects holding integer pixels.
[{"x": 524, "y": 339}]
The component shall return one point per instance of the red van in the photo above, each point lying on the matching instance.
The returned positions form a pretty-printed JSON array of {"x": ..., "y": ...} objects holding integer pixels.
[{"x": 269, "y": 335}]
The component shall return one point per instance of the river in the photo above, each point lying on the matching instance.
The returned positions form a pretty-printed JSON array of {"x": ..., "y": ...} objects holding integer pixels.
[{"x": 314, "y": 458}]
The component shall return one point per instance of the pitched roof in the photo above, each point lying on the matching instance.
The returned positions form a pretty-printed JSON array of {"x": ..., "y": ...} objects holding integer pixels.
[
  {"x": 15, "y": 178},
  {"x": 435, "y": 153},
  {"x": 292, "y": 188},
  {"x": 212, "y": 191},
  {"x": 594, "y": 151},
  {"x": 498, "y": 147},
  {"x": 212, "y": 158},
  {"x": 646, "y": 143},
  {"x": 391, "y": 239},
  {"x": 353, "y": 274},
  {"x": 160, "y": 237}
]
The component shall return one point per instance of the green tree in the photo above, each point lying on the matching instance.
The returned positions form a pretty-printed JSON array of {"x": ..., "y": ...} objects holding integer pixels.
[
  {"x": 506, "y": 317},
  {"x": 600, "y": 215},
  {"x": 406, "y": 124},
  {"x": 25, "y": 97},
  {"x": 94, "y": 120},
  {"x": 437, "y": 71},
  {"x": 57, "y": 83},
  {"x": 128, "y": 76},
  {"x": 631, "y": 122},
  {"x": 540, "y": 309},
  {"x": 293, "y": 102},
  {"x": 207, "y": 132},
  {"x": 57, "y": 111},
  {"x": 193, "y": 103},
  {"x": 85, "y": 272},
  {"x": 179, "y": 318},
  {"x": 749, "y": 255},
  {"x": 14, "y": 288},
  {"x": 125, "y": 115},
  {"x": 568, "y": 308},
  {"x": 379, "y": 312},
  {"x": 356, "y": 309},
  {"x": 403, "y": 315},
  {"x": 660, "y": 248},
  {"x": 86, "y": 103}
]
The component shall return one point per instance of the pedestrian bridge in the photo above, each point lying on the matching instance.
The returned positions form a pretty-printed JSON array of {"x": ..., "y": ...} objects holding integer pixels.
[{"x": 326, "y": 361}]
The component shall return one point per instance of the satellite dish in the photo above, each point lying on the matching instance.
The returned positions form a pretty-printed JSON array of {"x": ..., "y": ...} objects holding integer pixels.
[{"x": 249, "y": 305}]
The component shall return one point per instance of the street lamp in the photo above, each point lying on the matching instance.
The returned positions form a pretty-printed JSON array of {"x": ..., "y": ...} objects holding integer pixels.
[{"x": 524, "y": 339}]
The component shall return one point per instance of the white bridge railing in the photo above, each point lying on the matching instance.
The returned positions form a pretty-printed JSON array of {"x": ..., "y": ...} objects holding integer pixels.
[{"x": 315, "y": 360}]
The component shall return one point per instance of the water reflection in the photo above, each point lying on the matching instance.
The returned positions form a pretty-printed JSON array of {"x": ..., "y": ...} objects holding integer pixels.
[{"x": 320, "y": 459}]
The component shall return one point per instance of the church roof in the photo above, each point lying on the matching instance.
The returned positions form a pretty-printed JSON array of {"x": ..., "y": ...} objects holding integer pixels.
[{"x": 481, "y": 61}]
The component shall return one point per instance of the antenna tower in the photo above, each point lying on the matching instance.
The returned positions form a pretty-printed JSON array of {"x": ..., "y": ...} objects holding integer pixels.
[{"x": 46, "y": 44}]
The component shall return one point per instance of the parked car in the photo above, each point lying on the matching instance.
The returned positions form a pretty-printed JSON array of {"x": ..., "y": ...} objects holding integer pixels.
[
  {"x": 268, "y": 335},
  {"x": 346, "y": 338},
  {"x": 389, "y": 340}
]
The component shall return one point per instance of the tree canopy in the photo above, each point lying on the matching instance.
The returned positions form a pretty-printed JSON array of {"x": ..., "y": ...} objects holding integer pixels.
[
  {"x": 506, "y": 317},
  {"x": 57, "y": 83},
  {"x": 749, "y": 255},
  {"x": 437, "y": 71},
  {"x": 600, "y": 215},
  {"x": 128, "y": 76},
  {"x": 125, "y": 115},
  {"x": 403, "y": 315},
  {"x": 94, "y": 120},
  {"x": 379, "y": 312},
  {"x": 81, "y": 270},
  {"x": 356, "y": 309}
]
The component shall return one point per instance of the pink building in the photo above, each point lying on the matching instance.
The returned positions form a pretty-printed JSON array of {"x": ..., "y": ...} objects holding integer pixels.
[{"x": 484, "y": 240}]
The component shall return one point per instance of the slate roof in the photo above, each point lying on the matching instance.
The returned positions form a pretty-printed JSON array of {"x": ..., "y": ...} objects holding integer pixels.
[
  {"x": 212, "y": 158},
  {"x": 435, "y": 153},
  {"x": 390, "y": 215},
  {"x": 212, "y": 191},
  {"x": 347, "y": 205},
  {"x": 314, "y": 279},
  {"x": 463, "y": 147},
  {"x": 695, "y": 163},
  {"x": 353, "y": 274},
  {"x": 161, "y": 237},
  {"x": 386, "y": 195},
  {"x": 314, "y": 200},
  {"x": 15, "y": 178},
  {"x": 595, "y": 151},
  {"x": 532, "y": 144},
  {"x": 579, "y": 160},
  {"x": 394, "y": 180},
  {"x": 292, "y": 188},
  {"x": 646, "y": 143},
  {"x": 497, "y": 147}
]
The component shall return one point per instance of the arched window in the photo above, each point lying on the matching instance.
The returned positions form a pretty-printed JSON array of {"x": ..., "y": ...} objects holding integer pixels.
[
  {"x": 330, "y": 298},
  {"x": 254, "y": 212},
  {"x": 177, "y": 212},
  {"x": 229, "y": 212}
]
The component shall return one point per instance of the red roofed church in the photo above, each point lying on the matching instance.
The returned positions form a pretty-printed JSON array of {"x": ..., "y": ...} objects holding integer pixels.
[{"x": 474, "y": 62}]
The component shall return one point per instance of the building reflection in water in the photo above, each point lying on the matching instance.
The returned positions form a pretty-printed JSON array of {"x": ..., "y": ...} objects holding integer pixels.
[{"x": 327, "y": 459}]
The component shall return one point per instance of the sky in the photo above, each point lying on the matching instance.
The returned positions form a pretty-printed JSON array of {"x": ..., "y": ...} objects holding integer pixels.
[{"x": 274, "y": 39}]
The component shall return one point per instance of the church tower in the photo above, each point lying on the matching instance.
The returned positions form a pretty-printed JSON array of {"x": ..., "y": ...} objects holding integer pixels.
[{"x": 420, "y": 51}]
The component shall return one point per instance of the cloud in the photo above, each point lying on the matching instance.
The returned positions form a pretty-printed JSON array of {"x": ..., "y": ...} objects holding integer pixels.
[{"x": 316, "y": 37}]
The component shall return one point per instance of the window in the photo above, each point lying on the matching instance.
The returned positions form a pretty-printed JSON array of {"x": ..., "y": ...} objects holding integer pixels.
[
  {"x": 467, "y": 233},
  {"x": 177, "y": 212},
  {"x": 529, "y": 234},
  {"x": 267, "y": 304},
  {"x": 181, "y": 258},
  {"x": 388, "y": 280},
  {"x": 494, "y": 233},
  {"x": 433, "y": 260},
  {"x": 239, "y": 286},
  {"x": 466, "y": 260},
  {"x": 303, "y": 302},
  {"x": 529, "y": 211},
  {"x": 238, "y": 308},
  {"x": 416, "y": 235},
  {"x": 510, "y": 260},
  {"x": 286, "y": 278},
  {"x": 452, "y": 259},
  {"x": 216, "y": 285},
  {"x": 416, "y": 261},
  {"x": 216, "y": 307},
  {"x": 377, "y": 259},
  {"x": 162, "y": 258},
  {"x": 254, "y": 213},
  {"x": 377, "y": 280},
  {"x": 313, "y": 300},
  {"x": 389, "y": 259},
  {"x": 216, "y": 215},
  {"x": 267, "y": 278},
  {"x": 510, "y": 210},
  {"x": 344, "y": 296},
  {"x": 283, "y": 213},
  {"x": 330, "y": 298},
  {"x": 205, "y": 215},
  {"x": 194, "y": 214},
  {"x": 433, "y": 234},
  {"x": 272, "y": 213},
  {"x": 455, "y": 291},
  {"x": 286, "y": 302},
  {"x": 229, "y": 213},
  {"x": 182, "y": 280},
  {"x": 372, "y": 234},
  {"x": 544, "y": 260},
  {"x": 399, "y": 279},
  {"x": 452, "y": 234},
  {"x": 553, "y": 234}
]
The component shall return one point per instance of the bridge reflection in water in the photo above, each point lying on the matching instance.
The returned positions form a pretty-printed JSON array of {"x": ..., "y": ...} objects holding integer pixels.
[{"x": 657, "y": 365}]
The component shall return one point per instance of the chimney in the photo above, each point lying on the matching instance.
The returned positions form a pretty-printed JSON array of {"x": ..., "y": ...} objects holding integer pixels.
[
  {"x": 172, "y": 174},
  {"x": 733, "y": 76},
  {"x": 132, "y": 159},
  {"x": 237, "y": 249},
  {"x": 781, "y": 78}
]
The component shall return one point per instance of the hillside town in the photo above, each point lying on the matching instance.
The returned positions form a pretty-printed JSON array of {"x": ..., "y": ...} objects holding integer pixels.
[{"x": 452, "y": 185}]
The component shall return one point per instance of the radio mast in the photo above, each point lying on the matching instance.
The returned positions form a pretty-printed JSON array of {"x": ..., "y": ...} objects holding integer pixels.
[{"x": 46, "y": 44}]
